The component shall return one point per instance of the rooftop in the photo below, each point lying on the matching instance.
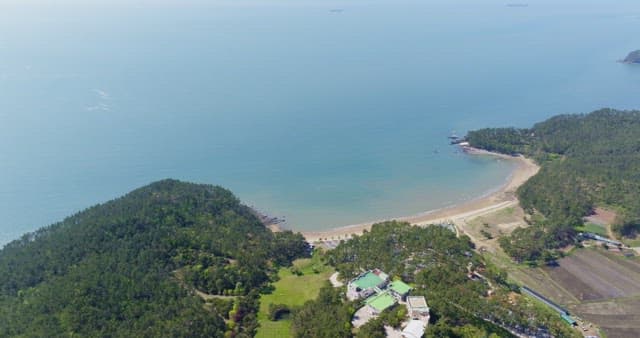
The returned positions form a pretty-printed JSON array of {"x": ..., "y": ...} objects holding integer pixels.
[
  {"x": 399, "y": 287},
  {"x": 568, "y": 319},
  {"x": 367, "y": 280},
  {"x": 381, "y": 274},
  {"x": 415, "y": 329},
  {"x": 417, "y": 302},
  {"x": 381, "y": 301}
]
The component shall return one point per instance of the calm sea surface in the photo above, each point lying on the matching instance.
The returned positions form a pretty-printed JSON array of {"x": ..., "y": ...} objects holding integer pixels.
[{"x": 328, "y": 113}]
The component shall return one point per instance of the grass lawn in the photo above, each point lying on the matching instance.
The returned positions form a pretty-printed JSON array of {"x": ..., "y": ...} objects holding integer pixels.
[
  {"x": 292, "y": 290},
  {"x": 594, "y": 228}
]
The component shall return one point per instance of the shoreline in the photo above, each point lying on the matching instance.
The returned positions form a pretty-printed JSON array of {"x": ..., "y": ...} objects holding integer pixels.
[{"x": 502, "y": 197}]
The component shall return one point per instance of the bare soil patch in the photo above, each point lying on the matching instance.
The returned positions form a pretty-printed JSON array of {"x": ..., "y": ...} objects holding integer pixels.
[
  {"x": 579, "y": 289},
  {"x": 485, "y": 229},
  {"x": 602, "y": 216}
]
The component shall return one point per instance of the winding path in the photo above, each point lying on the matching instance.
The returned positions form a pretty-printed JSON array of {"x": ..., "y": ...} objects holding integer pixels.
[{"x": 334, "y": 280}]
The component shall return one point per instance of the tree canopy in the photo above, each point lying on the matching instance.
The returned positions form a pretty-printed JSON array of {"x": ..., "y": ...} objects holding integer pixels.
[
  {"x": 586, "y": 160},
  {"x": 131, "y": 267}
]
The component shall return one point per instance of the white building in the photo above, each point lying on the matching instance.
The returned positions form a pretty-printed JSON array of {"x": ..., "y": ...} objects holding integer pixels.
[
  {"x": 415, "y": 329},
  {"x": 418, "y": 308}
]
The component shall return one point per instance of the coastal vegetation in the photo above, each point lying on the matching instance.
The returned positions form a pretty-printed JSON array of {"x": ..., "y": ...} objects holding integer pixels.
[
  {"x": 436, "y": 263},
  {"x": 142, "y": 266},
  {"x": 587, "y": 160}
]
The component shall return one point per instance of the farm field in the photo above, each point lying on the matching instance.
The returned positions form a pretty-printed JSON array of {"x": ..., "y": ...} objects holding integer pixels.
[
  {"x": 599, "y": 286},
  {"x": 617, "y": 317},
  {"x": 592, "y": 274},
  {"x": 292, "y": 289}
]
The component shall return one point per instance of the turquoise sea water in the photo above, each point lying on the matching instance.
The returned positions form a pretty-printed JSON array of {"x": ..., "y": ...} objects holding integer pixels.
[{"x": 327, "y": 118}]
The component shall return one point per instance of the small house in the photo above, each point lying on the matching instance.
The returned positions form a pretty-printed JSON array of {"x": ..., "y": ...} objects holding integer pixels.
[
  {"x": 418, "y": 308},
  {"x": 415, "y": 329}
]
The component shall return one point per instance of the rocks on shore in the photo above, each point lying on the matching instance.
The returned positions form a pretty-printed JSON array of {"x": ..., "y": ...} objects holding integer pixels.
[{"x": 268, "y": 220}]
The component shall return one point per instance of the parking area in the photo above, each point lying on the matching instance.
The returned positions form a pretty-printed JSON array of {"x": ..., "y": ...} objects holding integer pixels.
[{"x": 361, "y": 317}]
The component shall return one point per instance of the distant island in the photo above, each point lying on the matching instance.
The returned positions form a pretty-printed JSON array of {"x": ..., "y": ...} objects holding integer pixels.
[
  {"x": 517, "y": 5},
  {"x": 633, "y": 57}
]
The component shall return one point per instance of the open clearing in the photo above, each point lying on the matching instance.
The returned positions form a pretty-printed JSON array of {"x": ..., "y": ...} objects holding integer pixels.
[
  {"x": 594, "y": 228},
  {"x": 602, "y": 216},
  {"x": 292, "y": 290},
  {"x": 485, "y": 230}
]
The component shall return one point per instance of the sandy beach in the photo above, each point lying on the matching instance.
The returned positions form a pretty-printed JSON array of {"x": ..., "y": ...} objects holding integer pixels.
[{"x": 503, "y": 197}]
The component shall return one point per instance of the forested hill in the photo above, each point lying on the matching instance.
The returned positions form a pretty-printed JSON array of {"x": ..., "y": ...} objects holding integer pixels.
[
  {"x": 587, "y": 160},
  {"x": 129, "y": 267}
]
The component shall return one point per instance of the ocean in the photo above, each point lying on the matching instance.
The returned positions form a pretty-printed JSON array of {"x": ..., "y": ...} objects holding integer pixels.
[{"x": 325, "y": 113}]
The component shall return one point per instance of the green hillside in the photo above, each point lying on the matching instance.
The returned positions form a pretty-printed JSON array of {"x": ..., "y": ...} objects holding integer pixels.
[{"x": 130, "y": 268}]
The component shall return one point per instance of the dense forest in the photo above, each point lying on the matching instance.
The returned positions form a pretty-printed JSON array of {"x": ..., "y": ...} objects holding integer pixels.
[
  {"x": 586, "y": 160},
  {"x": 328, "y": 316},
  {"x": 131, "y": 268},
  {"x": 437, "y": 263}
]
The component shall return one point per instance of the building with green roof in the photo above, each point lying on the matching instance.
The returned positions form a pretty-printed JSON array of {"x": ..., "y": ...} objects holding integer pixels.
[
  {"x": 380, "y": 302},
  {"x": 569, "y": 320},
  {"x": 399, "y": 289},
  {"x": 367, "y": 284},
  {"x": 367, "y": 281}
]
